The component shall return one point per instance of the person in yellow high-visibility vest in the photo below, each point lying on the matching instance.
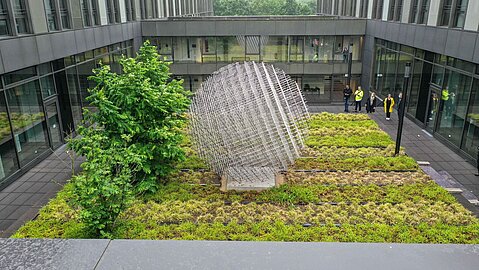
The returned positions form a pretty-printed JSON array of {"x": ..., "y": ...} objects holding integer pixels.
[{"x": 358, "y": 97}]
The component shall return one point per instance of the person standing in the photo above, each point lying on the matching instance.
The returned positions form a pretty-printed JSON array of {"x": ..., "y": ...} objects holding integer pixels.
[
  {"x": 347, "y": 92},
  {"x": 358, "y": 97},
  {"x": 371, "y": 103},
  {"x": 388, "y": 106}
]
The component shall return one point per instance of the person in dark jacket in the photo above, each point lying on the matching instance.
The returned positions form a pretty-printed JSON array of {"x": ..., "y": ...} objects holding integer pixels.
[
  {"x": 388, "y": 106},
  {"x": 347, "y": 92},
  {"x": 371, "y": 103}
]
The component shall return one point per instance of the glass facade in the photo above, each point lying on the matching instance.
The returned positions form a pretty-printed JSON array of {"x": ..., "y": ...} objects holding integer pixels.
[
  {"x": 442, "y": 91},
  {"x": 301, "y": 49},
  {"x": 40, "y": 105}
]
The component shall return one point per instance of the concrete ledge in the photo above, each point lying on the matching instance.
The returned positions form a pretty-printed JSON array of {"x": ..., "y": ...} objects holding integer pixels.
[{"x": 146, "y": 254}]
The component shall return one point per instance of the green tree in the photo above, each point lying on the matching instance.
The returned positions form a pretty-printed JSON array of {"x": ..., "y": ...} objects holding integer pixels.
[
  {"x": 232, "y": 7},
  {"x": 133, "y": 137}
]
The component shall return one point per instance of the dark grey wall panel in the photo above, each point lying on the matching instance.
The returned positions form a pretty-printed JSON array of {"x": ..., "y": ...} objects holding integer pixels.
[
  {"x": 476, "y": 51},
  {"x": 22, "y": 52},
  {"x": 322, "y": 27},
  {"x": 80, "y": 41},
  {"x": 116, "y": 34},
  {"x": 63, "y": 44},
  {"x": 310, "y": 68},
  {"x": 288, "y": 27},
  {"x": 219, "y": 26},
  {"x": 467, "y": 46},
  {"x": 228, "y": 28},
  {"x": 208, "y": 27},
  {"x": 260, "y": 28},
  {"x": 169, "y": 28},
  {"x": 451, "y": 42},
  {"x": 90, "y": 39},
  {"x": 19, "y": 53},
  {"x": 45, "y": 48}
]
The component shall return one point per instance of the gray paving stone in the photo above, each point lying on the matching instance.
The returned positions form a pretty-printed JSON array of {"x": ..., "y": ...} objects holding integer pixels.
[
  {"x": 21, "y": 199},
  {"x": 5, "y": 223},
  {"x": 20, "y": 211},
  {"x": 142, "y": 254},
  {"x": 9, "y": 198},
  {"x": 7, "y": 211},
  {"x": 52, "y": 254}
]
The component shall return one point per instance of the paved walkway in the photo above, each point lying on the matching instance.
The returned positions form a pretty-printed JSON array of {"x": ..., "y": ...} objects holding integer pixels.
[
  {"x": 21, "y": 200},
  {"x": 423, "y": 147},
  {"x": 72, "y": 254}
]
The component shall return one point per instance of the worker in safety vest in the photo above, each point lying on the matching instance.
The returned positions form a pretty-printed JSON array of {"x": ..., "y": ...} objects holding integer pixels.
[{"x": 358, "y": 97}]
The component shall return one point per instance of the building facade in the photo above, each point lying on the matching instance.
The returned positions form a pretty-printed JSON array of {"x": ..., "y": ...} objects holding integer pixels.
[
  {"x": 441, "y": 40},
  {"x": 48, "y": 49}
]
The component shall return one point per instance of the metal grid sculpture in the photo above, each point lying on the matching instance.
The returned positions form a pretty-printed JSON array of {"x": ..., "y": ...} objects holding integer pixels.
[{"x": 247, "y": 122}]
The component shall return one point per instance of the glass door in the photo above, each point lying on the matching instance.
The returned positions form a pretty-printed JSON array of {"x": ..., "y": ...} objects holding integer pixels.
[
  {"x": 54, "y": 127},
  {"x": 433, "y": 108}
]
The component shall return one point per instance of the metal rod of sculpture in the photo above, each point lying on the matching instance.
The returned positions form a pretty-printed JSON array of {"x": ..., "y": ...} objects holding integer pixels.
[{"x": 247, "y": 122}]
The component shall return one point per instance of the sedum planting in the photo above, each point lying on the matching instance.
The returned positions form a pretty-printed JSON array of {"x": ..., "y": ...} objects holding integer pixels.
[{"x": 348, "y": 188}]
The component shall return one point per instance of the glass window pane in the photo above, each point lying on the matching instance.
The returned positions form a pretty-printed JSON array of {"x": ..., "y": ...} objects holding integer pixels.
[
  {"x": 208, "y": 49},
  {"x": 471, "y": 132},
  {"x": 252, "y": 46},
  {"x": 84, "y": 71},
  {"x": 48, "y": 87},
  {"x": 317, "y": 89},
  {"x": 187, "y": 49},
  {"x": 319, "y": 49},
  {"x": 21, "y": 16},
  {"x": 437, "y": 74},
  {"x": 20, "y": 75},
  {"x": 4, "y": 19},
  {"x": 275, "y": 49},
  {"x": 230, "y": 50},
  {"x": 73, "y": 90},
  {"x": 453, "y": 106},
  {"x": 50, "y": 12},
  {"x": 28, "y": 121},
  {"x": 8, "y": 157},
  {"x": 415, "y": 88},
  {"x": 296, "y": 49}
]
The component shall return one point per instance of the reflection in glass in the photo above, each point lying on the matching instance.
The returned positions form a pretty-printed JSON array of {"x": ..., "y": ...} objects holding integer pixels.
[
  {"x": 296, "y": 49},
  {"x": 73, "y": 90},
  {"x": 471, "y": 132},
  {"x": 319, "y": 49},
  {"x": 48, "y": 87},
  {"x": 208, "y": 49},
  {"x": 230, "y": 50},
  {"x": 85, "y": 70},
  {"x": 275, "y": 49},
  {"x": 28, "y": 121},
  {"x": 453, "y": 106},
  {"x": 187, "y": 50},
  {"x": 19, "y": 75},
  {"x": 317, "y": 88},
  {"x": 54, "y": 125},
  {"x": 415, "y": 87},
  {"x": 8, "y": 159}
]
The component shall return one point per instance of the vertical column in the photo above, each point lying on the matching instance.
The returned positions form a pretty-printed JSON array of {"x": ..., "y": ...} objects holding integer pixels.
[
  {"x": 370, "y": 9},
  {"x": 122, "y": 8},
  {"x": 358, "y": 7},
  {"x": 102, "y": 12},
  {"x": 472, "y": 20},
  {"x": 406, "y": 11},
  {"x": 37, "y": 15},
  {"x": 386, "y": 10},
  {"x": 433, "y": 17}
]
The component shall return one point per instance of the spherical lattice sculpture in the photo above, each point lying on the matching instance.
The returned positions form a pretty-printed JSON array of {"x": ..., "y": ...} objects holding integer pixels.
[{"x": 247, "y": 122}]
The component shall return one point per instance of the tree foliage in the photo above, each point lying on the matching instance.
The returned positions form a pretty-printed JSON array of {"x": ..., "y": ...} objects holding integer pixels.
[
  {"x": 133, "y": 137},
  {"x": 263, "y": 7}
]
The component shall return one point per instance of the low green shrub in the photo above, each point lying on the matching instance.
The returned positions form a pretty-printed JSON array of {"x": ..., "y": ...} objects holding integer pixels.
[
  {"x": 364, "y": 124},
  {"x": 373, "y": 139},
  {"x": 301, "y": 194},
  {"x": 278, "y": 231},
  {"x": 408, "y": 213},
  {"x": 325, "y": 116},
  {"x": 333, "y": 152},
  {"x": 357, "y": 164},
  {"x": 356, "y": 178}
]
